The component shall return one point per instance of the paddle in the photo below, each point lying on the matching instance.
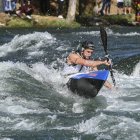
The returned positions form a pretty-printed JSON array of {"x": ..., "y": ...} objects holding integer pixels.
[{"x": 104, "y": 41}]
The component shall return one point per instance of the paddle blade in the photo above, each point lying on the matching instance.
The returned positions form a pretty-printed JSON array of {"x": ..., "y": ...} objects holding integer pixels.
[{"x": 104, "y": 38}]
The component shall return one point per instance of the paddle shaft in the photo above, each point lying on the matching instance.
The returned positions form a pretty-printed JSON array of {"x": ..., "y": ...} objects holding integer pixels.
[{"x": 104, "y": 41}]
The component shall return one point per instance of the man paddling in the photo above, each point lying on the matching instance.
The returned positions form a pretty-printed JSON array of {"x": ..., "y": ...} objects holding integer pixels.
[{"x": 80, "y": 61}]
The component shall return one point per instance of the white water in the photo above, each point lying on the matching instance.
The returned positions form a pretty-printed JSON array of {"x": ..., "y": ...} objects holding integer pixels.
[
  {"x": 41, "y": 73},
  {"x": 117, "y": 117},
  {"x": 109, "y": 33},
  {"x": 29, "y": 42}
]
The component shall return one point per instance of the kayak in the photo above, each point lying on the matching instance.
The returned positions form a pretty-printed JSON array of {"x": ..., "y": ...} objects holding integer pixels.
[{"x": 88, "y": 84}]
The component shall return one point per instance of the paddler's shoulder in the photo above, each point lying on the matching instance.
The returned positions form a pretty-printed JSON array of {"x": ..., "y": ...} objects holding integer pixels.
[{"x": 74, "y": 55}]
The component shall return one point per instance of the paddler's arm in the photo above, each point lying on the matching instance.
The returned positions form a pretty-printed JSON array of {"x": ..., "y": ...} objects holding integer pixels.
[
  {"x": 76, "y": 59},
  {"x": 94, "y": 69},
  {"x": 106, "y": 84}
]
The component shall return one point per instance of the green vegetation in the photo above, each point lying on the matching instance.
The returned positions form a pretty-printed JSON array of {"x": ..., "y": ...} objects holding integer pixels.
[
  {"x": 18, "y": 22},
  {"x": 56, "y": 23},
  {"x": 41, "y": 22},
  {"x": 119, "y": 19},
  {"x": 124, "y": 20},
  {"x": 84, "y": 15}
]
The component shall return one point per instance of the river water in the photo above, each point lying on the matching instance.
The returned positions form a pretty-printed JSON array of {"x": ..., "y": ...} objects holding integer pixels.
[{"x": 35, "y": 104}]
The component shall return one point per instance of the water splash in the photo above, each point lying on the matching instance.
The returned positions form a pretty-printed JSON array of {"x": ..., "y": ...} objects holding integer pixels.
[
  {"x": 31, "y": 42},
  {"x": 136, "y": 71},
  {"x": 109, "y": 33}
]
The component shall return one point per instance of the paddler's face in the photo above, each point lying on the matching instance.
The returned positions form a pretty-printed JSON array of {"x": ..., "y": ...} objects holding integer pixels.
[{"x": 87, "y": 53}]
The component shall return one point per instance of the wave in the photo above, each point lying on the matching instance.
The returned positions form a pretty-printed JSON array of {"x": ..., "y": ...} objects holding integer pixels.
[
  {"x": 109, "y": 33},
  {"x": 35, "y": 98},
  {"x": 30, "y": 42},
  {"x": 129, "y": 65},
  {"x": 136, "y": 71}
]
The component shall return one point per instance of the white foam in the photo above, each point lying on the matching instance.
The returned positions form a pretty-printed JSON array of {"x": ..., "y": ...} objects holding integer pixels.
[
  {"x": 95, "y": 33},
  {"x": 46, "y": 75},
  {"x": 6, "y": 138},
  {"x": 39, "y": 71},
  {"x": 109, "y": 33},
  {"x": 77, "y": 108},
  {"x": 52, "y": 117},
  {"x": 136, "y": 71},
  {"x": 31, "y": 42},
  {"x": 90, "y": 126},
  {"x": 6, "y": 120},
  {"x": 100, "y": 123},
  {"x": 125, "y": 97},
  {"x": 17, "y": 105},
  {"x": 128, "y": 34},
  {"x": 25, "y": 124}
]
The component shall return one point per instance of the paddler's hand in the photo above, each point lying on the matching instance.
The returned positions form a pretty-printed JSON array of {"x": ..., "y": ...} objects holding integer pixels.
[
  {"x": 107, "y": 63},
  {"x": 108, "y": 85}
]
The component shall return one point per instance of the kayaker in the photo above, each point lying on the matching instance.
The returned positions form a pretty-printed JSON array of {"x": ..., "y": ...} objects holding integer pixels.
[{"x": 80, "y": 61}]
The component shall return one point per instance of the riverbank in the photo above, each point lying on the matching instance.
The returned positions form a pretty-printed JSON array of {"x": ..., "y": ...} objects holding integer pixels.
[
  {"x": 108, "y": 20},
  {"x": 36, "y": 21},
  {"x": 55, "y": 22}
]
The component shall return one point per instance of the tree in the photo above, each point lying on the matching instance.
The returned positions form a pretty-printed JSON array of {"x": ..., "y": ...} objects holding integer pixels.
[
  {"x": 45, "y": 6},
  {"x": 1, "y": 5},
  {"x": 71, "y": 10}
]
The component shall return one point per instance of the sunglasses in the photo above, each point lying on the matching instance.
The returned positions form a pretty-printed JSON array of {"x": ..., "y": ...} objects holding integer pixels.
[{"x": 89, "y": 51}]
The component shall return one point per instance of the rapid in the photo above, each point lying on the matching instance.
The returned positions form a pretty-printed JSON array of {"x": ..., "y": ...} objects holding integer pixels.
[{"x": 35, "y": 102}]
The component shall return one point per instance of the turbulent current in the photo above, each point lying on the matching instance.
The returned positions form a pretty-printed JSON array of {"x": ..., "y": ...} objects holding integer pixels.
[{"x": 35, "y": 103}]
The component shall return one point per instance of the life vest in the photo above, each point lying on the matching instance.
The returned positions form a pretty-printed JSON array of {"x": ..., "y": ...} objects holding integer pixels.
[{"x": 70, "y": 69}]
